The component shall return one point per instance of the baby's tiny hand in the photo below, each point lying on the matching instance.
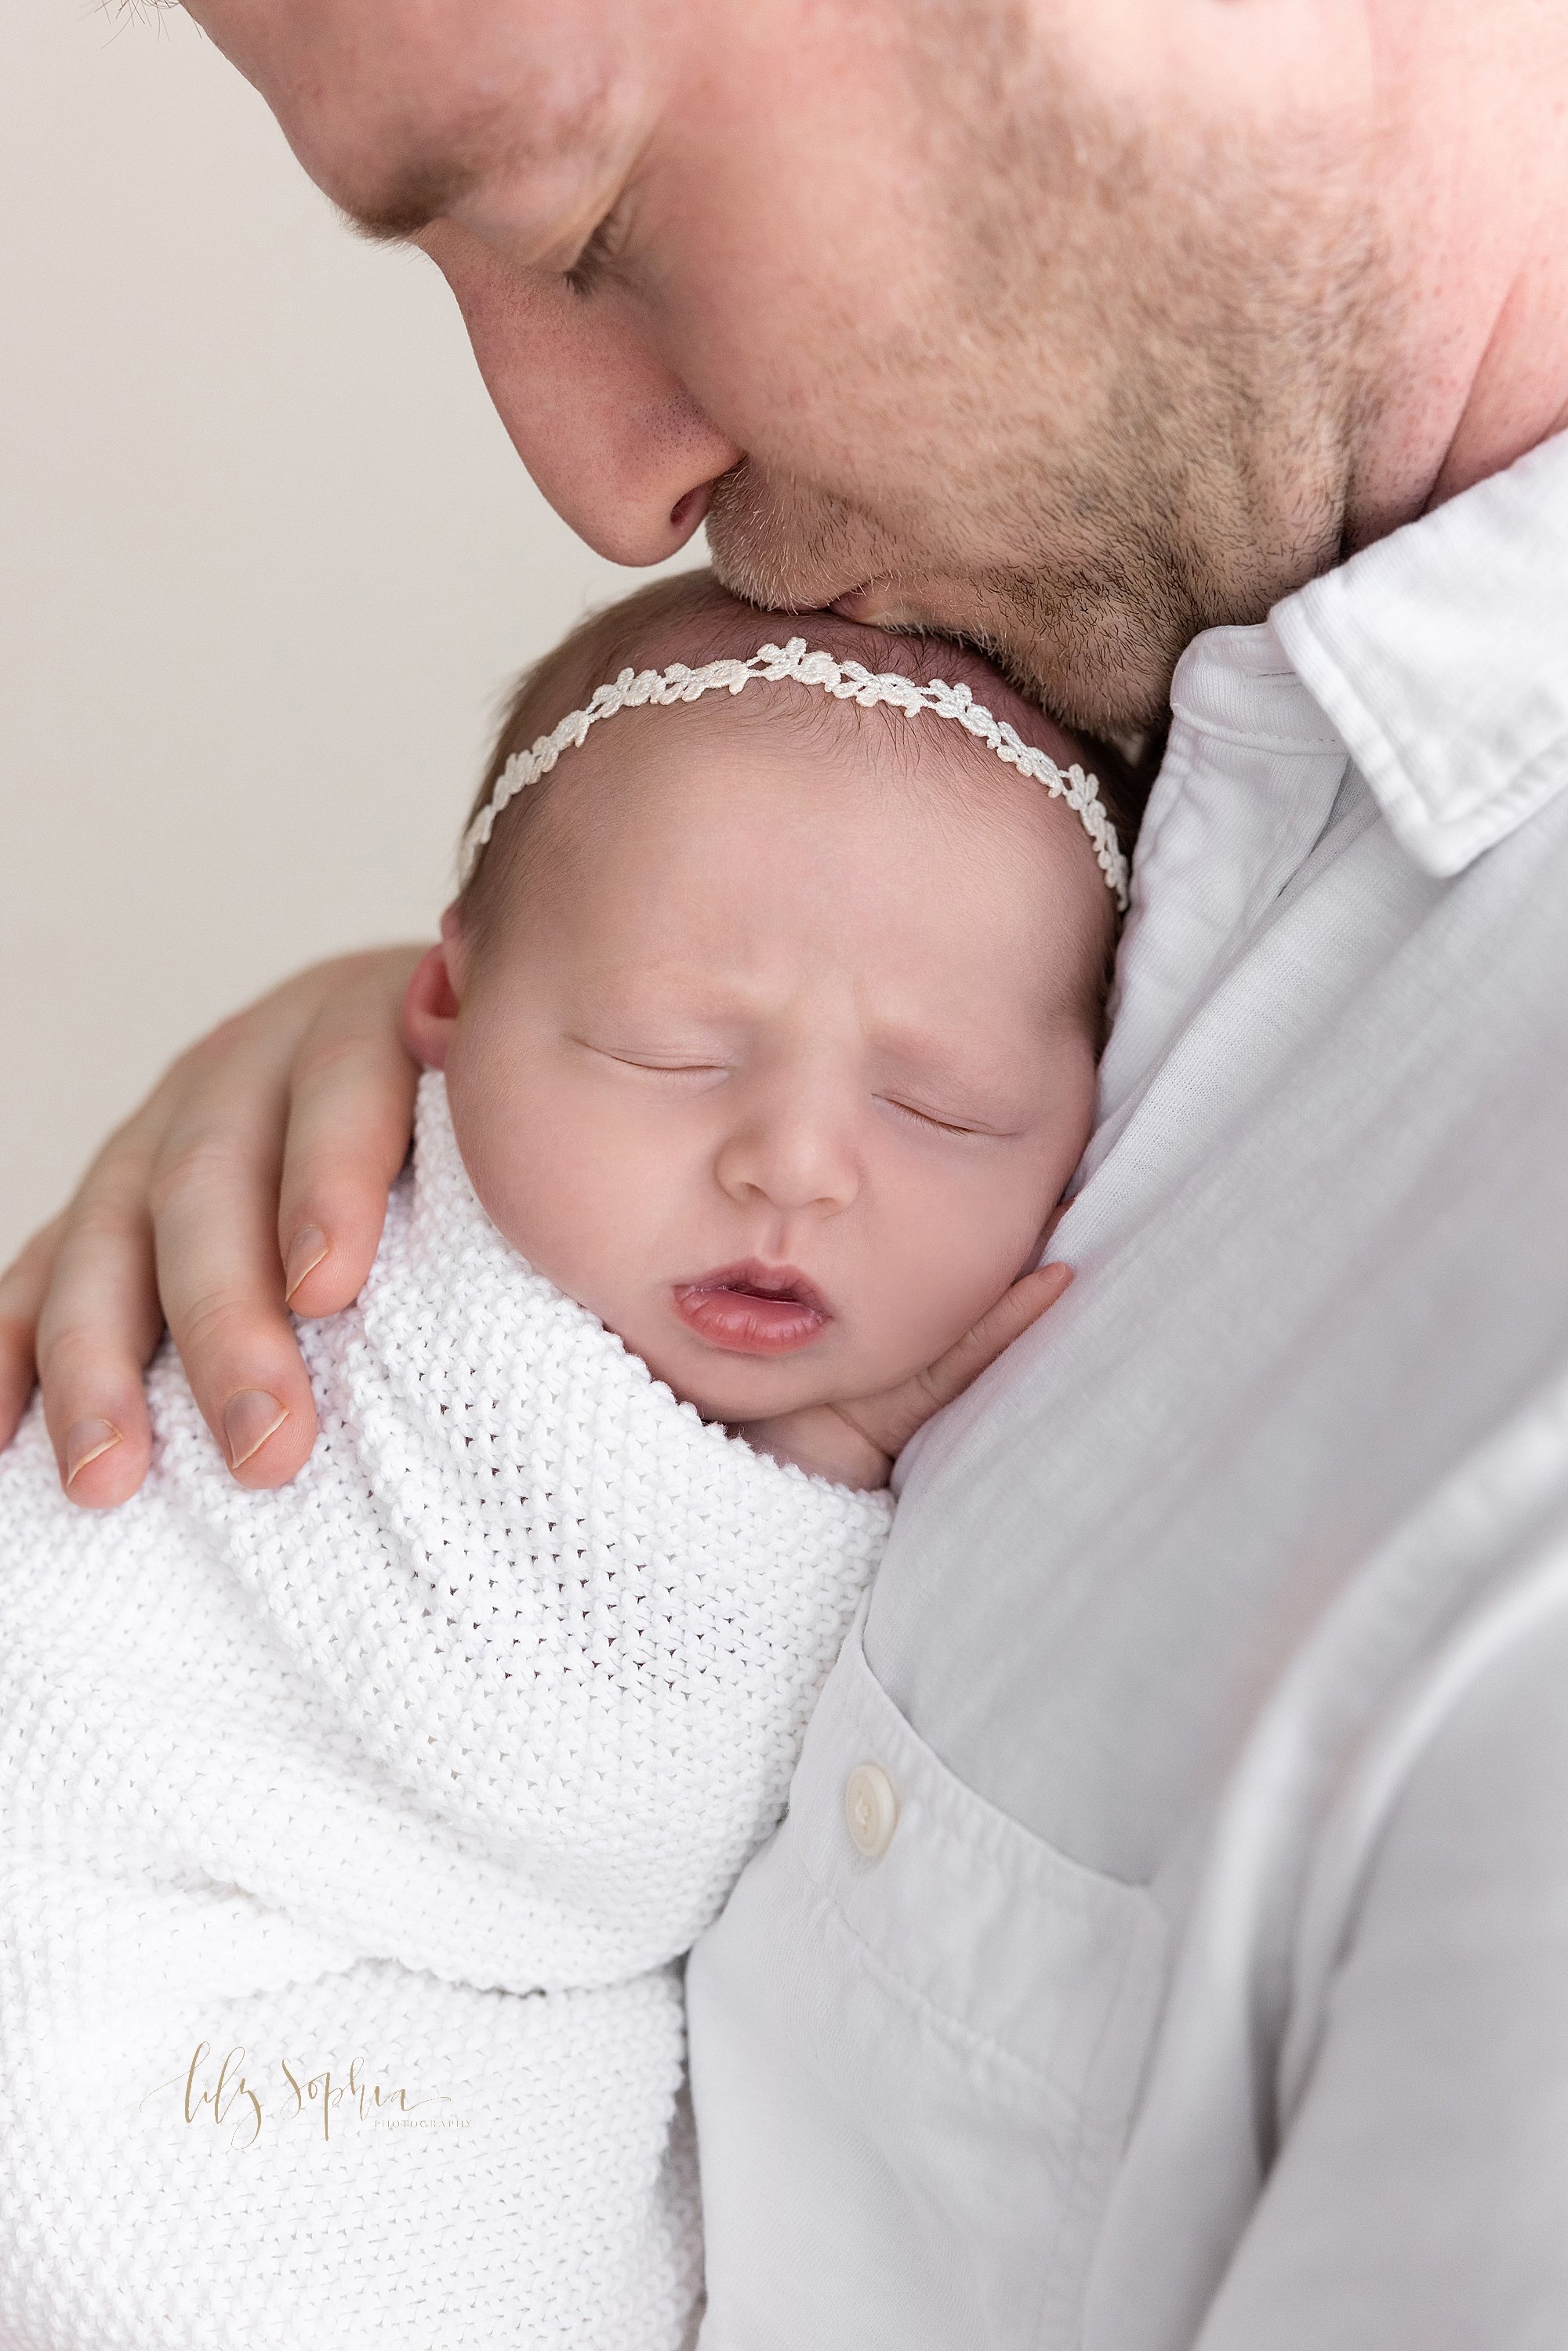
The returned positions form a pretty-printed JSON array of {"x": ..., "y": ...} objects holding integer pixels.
[{"x": 856, "y": 1444}]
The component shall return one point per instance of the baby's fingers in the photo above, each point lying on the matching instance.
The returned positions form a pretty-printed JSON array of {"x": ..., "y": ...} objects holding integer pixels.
[
  {"x": 995, "y": 1331},
  {"x": 890, "y": 1420}
]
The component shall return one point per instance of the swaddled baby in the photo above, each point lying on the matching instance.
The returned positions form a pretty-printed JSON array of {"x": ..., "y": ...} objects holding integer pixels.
[{"x": 351, "y": 1836}]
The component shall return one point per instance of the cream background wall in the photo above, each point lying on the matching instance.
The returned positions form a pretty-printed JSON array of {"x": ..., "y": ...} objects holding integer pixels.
[{"x": 266, "y": 561}]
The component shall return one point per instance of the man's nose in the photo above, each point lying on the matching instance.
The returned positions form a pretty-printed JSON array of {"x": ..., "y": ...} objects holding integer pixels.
[
  {"x": 610, "y": 435},
  {"x": 792, "y": 1155}
]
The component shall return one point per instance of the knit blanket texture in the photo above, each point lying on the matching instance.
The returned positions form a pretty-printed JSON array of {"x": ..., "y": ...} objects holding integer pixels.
[{"x": 351, "y": 1836}]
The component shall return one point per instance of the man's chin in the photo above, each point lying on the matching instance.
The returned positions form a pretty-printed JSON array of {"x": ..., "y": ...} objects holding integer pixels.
[{"x": 1085, "y": 651}]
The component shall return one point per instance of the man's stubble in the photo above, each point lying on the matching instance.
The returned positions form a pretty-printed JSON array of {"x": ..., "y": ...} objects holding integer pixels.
[{"x": 1125, "y": 401}]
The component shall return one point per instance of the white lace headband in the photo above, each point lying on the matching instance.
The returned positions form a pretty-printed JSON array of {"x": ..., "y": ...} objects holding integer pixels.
[{"x": 847, "y": 682}]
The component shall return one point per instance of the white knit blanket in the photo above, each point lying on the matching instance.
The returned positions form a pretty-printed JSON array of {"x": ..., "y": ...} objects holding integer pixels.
[{"x": 350, "y": 1836}]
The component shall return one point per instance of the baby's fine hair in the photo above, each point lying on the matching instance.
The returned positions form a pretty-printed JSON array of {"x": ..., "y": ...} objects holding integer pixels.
[{"x": 690, "y": 617}]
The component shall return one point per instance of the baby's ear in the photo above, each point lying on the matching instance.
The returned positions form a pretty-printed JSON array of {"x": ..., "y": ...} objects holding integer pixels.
[{"x": 430, "y": 1003}]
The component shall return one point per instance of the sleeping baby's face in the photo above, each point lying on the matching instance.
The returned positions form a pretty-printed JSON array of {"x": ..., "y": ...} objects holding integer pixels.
[{"x": 778, "y": 1047}]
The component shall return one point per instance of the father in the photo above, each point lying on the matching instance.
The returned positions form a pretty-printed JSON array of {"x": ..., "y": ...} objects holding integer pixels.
[{"x": 1168, "y": 1942}]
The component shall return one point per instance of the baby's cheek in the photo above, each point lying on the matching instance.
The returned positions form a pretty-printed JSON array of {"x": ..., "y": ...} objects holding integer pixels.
[
  {"x": 484, "y": 1124},
  {"x": 916, "y": 1322},
  {"x": 507, "y": 1151},
  {"x": 974, "y": 1254}
]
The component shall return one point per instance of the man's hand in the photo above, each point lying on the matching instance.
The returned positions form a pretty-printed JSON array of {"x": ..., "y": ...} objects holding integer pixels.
[
  {"x": 254, "y": 1178},
  {"x": 856, "y": 1444}
]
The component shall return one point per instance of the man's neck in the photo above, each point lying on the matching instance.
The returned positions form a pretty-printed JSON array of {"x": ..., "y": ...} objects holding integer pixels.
[
  {"x": 1520, "y": 394},
  {"x": 1476, "y": 110}
]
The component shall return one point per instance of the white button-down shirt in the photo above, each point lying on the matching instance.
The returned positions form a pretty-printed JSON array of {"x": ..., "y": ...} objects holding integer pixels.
[{"x": 1191, "y": 1967}]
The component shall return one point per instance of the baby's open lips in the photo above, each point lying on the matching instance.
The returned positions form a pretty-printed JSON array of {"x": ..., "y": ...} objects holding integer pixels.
[{"x": 752, "y": 1308}]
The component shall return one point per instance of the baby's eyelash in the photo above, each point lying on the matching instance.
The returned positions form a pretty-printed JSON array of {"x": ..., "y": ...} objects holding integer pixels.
[
  {"x": 662, "y": 1069},
  {"x": 924, "y": 1118}
]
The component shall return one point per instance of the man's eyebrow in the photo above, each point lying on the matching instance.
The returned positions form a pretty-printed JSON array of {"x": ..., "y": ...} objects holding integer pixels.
[{"x": 423, "y": 189}]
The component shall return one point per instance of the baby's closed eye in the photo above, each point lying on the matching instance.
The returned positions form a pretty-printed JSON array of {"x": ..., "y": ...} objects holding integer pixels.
[
  {"x": 671, "y": 1061},
  {"x": 951, "y": 1123}
]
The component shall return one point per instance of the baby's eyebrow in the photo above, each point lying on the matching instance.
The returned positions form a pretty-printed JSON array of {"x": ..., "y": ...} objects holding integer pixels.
[
  {"x": 906, "y": 1041},
  {"x": 963, "y": 1075},
  {"x": 673, "y": 983}
]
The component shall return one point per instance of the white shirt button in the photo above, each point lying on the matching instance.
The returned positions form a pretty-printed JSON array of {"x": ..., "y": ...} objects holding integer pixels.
[{"x": 871, "y": 1810}]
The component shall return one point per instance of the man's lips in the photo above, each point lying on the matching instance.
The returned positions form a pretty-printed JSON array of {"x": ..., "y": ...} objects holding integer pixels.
[
  {"x": 752, "y": 1308},
  {"x": 882, "y": 604},
  {"x": 860, "y": 603}
]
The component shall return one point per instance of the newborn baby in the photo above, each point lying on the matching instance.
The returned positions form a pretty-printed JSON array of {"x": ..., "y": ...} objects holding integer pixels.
[{"x": 351, "y": 1836}]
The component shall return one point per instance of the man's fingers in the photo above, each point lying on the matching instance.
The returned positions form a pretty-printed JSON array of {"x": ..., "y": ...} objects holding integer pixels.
[
  {"x": 98, "y": 1325},
  {"x": 351, "y": 1110},
  {"x": 212, "y": 1189},
  {"x": 185, "y": 1198},
  {"x": 325, "y": 1051},
  {"x": 22, "y": 1286}
]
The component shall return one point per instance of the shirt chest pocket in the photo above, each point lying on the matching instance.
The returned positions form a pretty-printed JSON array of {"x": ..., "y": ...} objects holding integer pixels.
[{"x": 916, "y": 2035}]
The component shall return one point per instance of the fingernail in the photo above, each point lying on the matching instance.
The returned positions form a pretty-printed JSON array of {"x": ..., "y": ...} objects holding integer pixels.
[
  {"x": 249, "y": 1419},
  {"x": 88, "y": 1440},
  {"x": 306, "y": 1252}
]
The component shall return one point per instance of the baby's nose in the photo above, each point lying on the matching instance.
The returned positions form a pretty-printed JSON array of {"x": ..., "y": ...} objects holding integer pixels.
[{"x": 797, "y": 1156}]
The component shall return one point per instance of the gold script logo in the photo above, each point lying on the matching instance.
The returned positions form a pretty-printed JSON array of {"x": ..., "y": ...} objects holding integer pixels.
[{"x": 233, "y": 2096}]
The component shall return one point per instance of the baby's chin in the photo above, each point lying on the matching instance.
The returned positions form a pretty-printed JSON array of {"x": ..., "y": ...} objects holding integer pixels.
[
  {"x": 735, "y": 1389},
  {"x": 734, "y": 1402}
]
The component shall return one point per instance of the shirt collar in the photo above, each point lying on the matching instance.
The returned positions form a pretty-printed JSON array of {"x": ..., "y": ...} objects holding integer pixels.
[{"x": 1440, "y": 654}]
